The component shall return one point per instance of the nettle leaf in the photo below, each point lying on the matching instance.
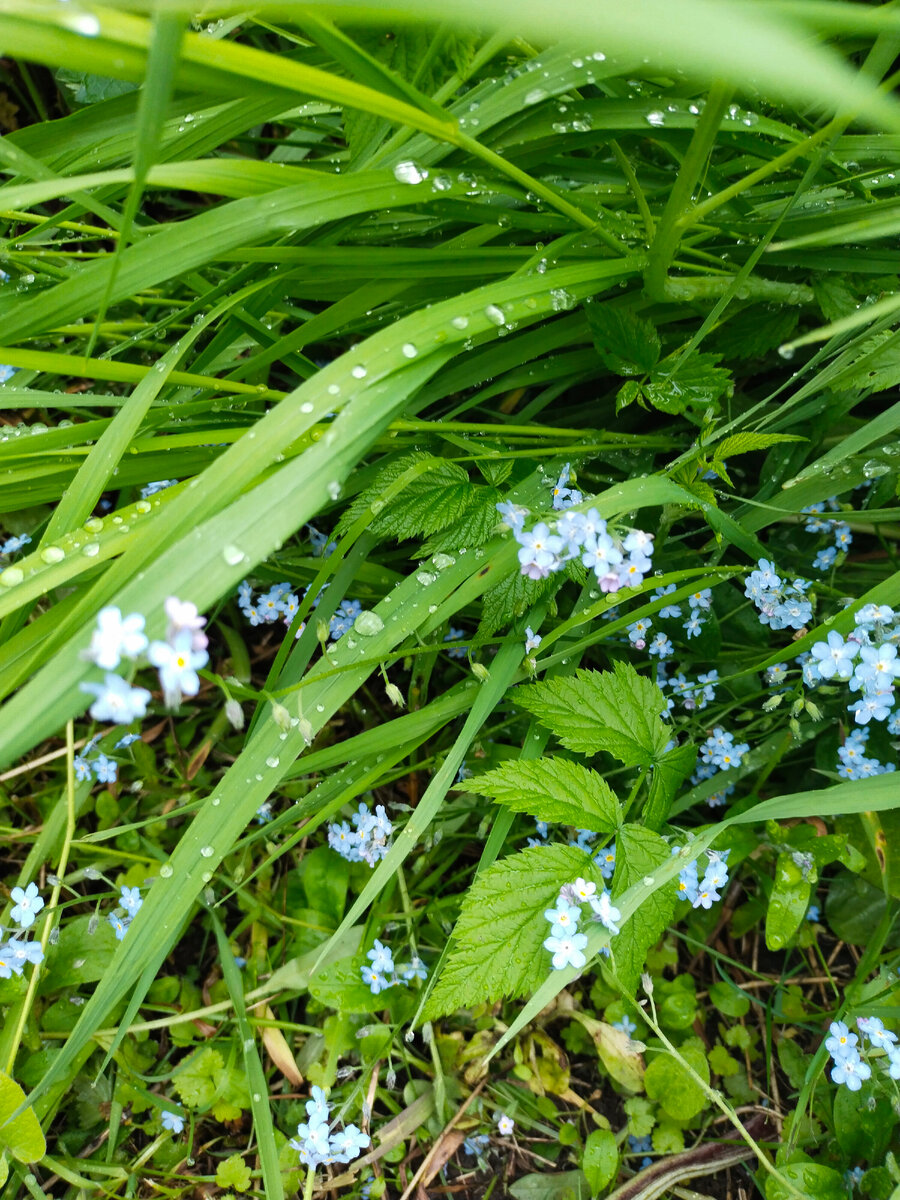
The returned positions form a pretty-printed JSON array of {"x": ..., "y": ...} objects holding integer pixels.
[
  {"x": 744, "y": 443},
  {"x": 639, "y": 852},
  {"x": 438, "y": 495},
  {"x": 627, "y": 344},
  {"x": 616, "y": 711},
  {"x": 498, "y": 944},
  {"x": 669, "y": 772},
  {"x": 699, "y": 383},
  {"x": 552, "y": 789},
  {"x": 756, "y": 331},
  {"x": 513, "y": 596},
  {"x": 473, "y": 528},
  {"x": 876, "y": 365}
]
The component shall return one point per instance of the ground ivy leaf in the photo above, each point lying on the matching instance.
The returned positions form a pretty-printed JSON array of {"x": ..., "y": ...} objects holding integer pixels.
[
  {"x": 498, "y": 944},
  {"x": 617, "y": 711},
  {"x": 639, "y": 852},
  {"x": 552, "y": 789}
]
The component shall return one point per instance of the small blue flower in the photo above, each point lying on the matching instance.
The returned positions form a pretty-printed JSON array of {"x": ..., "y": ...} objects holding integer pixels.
[
  {"x": 173, "y": 1122},
  {"x": 13, "y": 544},
  {"x": 824, "y": 560},
  {"x": 626, "y": 1025},
  {"x": 119, "y": 924},
  {"x": 381, "y": 958},
  {"x": 131, "y": 901},
  {"x": 117, "y": 701},
  {"x": 640, "y": 1145},
  {"x": 567, "y": 951},
  {"x": 106, "y": 770},
  {"x": 82, "y": 768},
  {"x": 178, "y": 663},
  {"x": 127, "y": 740},
  {"x": 454, "y": 635},
  {"x": 701, "y": 599},
  {"x": 693, "y": 626},
  {"x": 26, "y": 905},
  {"x": 812, "y": 913},
  {"x": 116, "y": 637},
  {"x": 374, "y": 979},
  {"x": 660, "y": 645},
  {"x": 670, "y": 611}
]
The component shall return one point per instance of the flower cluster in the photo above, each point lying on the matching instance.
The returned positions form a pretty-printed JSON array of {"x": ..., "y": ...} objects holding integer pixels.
[
  {"x": 839, "y": 530},
  {"x": 850, "y": 1068},
  {"x": 703, "y": 893},
  {"x": 867, "y": 661},
  {"x": 130, "y": 900},
  {"x": 17, "y": 951},
  {"x": 563, "y": 495},
  {"x": 103, "y": 768},
  {"x": 693, "y": 696},
  {"x": 381, "y": 972},
  {"x": 616, "y": 563},
  {"x": 719, "y": 750},
  {"x": 781, "y": 605},
  {"x": 852, "y": 761},
  {"x": 369, "y": 839},
  {"x": 280, "y": 603},
  {"x": 177, "y": 660},
  {"x": 315, "y": 1142},
  {"x": 565, "y": 943}
]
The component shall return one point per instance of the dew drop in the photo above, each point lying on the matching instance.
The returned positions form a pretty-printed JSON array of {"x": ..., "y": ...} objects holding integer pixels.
[
  {"x": 425, "y": 578},
  {"x": 535, "y": 96},
  {"x": 655, "y": 118},
  {"x": 409, "y": 350},
  {"x": 494, "y": 314},
  {"x": 272, "y": 761},
  {"x": 359, "y": 371},
  {"x": 786, "y": 351},
  {"x": 409, "y": 172},
  {"x": 11, "y": 577},
  {"x": 52, "y": 554},
  {"x": 207, "y": 851},
  {"x": 306, "y": 407},
  {"x": 873, "y": 469},
  {"x": 368, "y": 624},
  {"x": 334, "y": 489},
  {"x": 94, "y": 525},
  {"x": 91, "y": 550},
  {"x": 334, "y": 389},
  {"x": 459, "y": 322},
  {"x": 166, "y": 871},
  {"x": 233, "y": 555}
]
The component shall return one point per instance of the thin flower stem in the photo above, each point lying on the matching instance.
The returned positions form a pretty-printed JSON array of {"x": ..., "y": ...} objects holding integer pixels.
[{"x": 716, "y": 1097}]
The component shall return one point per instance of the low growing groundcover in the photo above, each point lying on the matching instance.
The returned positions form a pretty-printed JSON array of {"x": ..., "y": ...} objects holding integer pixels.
[{"x": 449, "y": 600}]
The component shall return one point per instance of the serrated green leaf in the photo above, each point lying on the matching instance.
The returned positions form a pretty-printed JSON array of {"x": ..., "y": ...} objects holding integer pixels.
[
  {"x": 514, "y": 595},
  {"x": 22, "y": 1136},
  {"x": 473, "y": 528},
  {"x": 195, "y": 1078},
  {"x": 616, "y": 711},
  {"x": 875, "y": 366},
  {"x": 756, "y": 331},
  {"x": 673, "y": 388},
  {"x": 669, "y": 772},
  {"x": 639, "y": 852},
  {"x": 627, "y": 344},
  {"x": 437, "y": 494},
  {"x": 743, "y": 443},
  {"x": 552, "y": 789},
  {"x": 627, "y": 394},
  {"x": 498, "y": 943}
]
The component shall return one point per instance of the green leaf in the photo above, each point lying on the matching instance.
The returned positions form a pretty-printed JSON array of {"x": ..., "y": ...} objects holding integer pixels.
[
  {"x": 698, "y": 384},
  {"x": 513, "y": 596},
  {"x": 853, "y": 908},
  {"x": 498, "y": 944},
  {"x": 639, "y": 852},
  {"x": 876, "y": 365},
  {"x": 233, "y": 1172},
  {"x": 627, "y": 394},
  {"x": 601, "y": 1159},
  {"x": 195, "y": 1079},
  {"x": 568, "y": 1185},
  {"x": 627, "y": 344},
  {"x": 669, "y": 772},
  {"x": 475, "y": 527},
  {"x": 616, "y": 711},
  {"x": 22, "y": 1135},
  {"x": 863, "y": 1122},
  {"x": 437, "y": 494},
  {"x": 667, "y": 1082},
  {"x": 552, "y": 789},
  {"x": 788, "y": 902},
  {"x": 619, "y": 1054},
  {"x": 811, "y": 1180},
  {"x": 756, "y": 331},
  {"x": 744, "y": 443}
]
